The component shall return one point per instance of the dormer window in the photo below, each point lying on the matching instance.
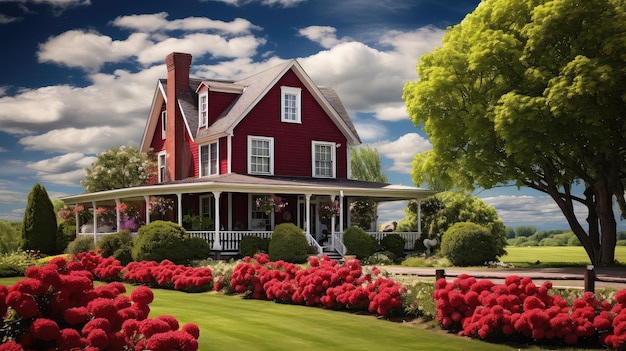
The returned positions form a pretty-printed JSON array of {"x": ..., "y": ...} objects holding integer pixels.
[
  {"x": 163, "y": 124},
  {"x": 290, "y": 105},
  {"x": 323, "y": 159},
  {"x": 203, "y": 109}
]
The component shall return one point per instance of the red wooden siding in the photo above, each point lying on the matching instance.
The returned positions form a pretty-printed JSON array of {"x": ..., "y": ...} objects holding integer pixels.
[
  {"x": 292, "y": 141},
  {"x": 240, "y": 211},
  {"x": 223, "y": 156},
  {"x": 158, "y": 144},
  {"x": 218, "y": 102}
]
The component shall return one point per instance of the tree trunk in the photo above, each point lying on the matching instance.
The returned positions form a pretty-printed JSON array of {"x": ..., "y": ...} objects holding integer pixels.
[{"x": 608, "y": 226}]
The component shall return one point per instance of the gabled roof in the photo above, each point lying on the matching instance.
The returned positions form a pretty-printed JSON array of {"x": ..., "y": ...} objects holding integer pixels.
[{"x": 251, "y": 90}]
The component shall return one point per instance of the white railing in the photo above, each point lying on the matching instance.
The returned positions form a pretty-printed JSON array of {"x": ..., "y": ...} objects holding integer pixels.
[
  {"x": 311, "y": 240},
  {"x": 337, "y": 243},
  {"x": 229, "y": 240},
  {"x": 98, "y": 236}
]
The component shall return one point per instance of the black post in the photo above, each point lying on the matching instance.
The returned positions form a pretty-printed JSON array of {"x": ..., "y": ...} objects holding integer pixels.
[
  {"x": 439, "y": 273},
  {"x": 590, "y": 279}
]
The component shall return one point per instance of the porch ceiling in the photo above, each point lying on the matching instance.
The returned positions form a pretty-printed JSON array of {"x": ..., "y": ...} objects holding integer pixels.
[{"x": 240, "y": 183}]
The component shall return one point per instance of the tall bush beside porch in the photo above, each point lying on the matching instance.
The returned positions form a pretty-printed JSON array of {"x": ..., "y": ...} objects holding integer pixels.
[
  {"x": 162, "y": 240},
  {"x": 288, "y": 244}
]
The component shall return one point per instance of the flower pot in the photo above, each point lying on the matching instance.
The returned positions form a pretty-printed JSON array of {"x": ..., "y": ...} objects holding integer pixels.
[{"x": 347, "y": 258}]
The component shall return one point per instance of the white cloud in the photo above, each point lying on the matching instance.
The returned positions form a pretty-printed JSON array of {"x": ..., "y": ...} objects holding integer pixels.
[
  {"x": 14, "y": 215},
  {"x": 57, "y": 4},
  {"x": 392, "y": 112},
  {"x": 283, "y": 3},
  {"x": 391, "y": 211},
  {"x": 370, "y": 131},
  {"x": 4, "y": 19},
  {"x": 8, "y": 196},
  {"x": 538, "y": 211},
  {"x": 67, "y": 169},
  {"x": 158, "y": 22},
  {"x": 91, "y": 140},
  {"x": 402, "y": 150},
  {"x": 2, "y": 149},
  {"x": 323, "y": 35}
]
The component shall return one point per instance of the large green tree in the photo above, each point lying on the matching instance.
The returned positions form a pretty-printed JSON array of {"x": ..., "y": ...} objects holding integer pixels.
[
  {"x": 40, "y": 222},
  {"x": 532, "y": 92},
  {"x": 119, "y": 167},
  {"x": 365, "y": 164}
]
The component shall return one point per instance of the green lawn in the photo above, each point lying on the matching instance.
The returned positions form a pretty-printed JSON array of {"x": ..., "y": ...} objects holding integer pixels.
[{"x": 554, "y": 254}]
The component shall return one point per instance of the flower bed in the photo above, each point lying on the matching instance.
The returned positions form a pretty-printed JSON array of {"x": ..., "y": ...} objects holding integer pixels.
[
  {"x": 57, "y": 307},
  {"x": 325, "y": 283},
  {"x": 520, "y": 309}
]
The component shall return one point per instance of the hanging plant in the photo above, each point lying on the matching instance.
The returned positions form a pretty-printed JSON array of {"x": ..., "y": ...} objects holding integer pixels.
[{"x": 270, "y": 203}]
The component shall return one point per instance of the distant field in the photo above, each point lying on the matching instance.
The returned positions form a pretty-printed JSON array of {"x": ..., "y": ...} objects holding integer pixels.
[{"x": 548, "y": 254}]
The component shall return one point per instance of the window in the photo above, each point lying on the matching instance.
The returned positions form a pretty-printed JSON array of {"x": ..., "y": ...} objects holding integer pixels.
[
  {"x": 290, "y": 99},
  {"x": 162, "y": 166},
  {"x": 203, "y": 109},
  {"x": 259, "y": 220},
  {"x": 207, "y": 206},
  {"x": 260, "y": 155},
  {"x": 209, "y": 160},
  {"x": 323, "y": 159},
  {"x": 163, "y": 124}
]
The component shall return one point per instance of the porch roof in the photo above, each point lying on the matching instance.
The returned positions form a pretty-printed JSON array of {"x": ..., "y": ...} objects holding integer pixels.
[{"x": 241, "y": 183}]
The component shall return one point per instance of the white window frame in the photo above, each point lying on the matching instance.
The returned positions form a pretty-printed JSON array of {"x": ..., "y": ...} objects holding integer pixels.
[
  {"x": 203, "y": 110},
  {"x": 164, "y": 124},
  {"x": 252, "y": 138},
  {"x": 211, "y": 204},
  {"x": 333, "y": 160},
  {"x": 210, "y": 146},
  {"x": 162, "y": 166},
  {"x": 290, "y": 91}
]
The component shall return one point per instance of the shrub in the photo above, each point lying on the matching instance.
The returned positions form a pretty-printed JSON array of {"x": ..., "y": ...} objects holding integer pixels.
[
  {"x": 161, "y": 240},
  {"x": 469, "y": 244},
  {"x": 380, "y": 258},
  {"x": 289, "y": 244},
  {"x": 250, "y": 245},
  {"x": 15, "y": 264},
  {"x": 394, "y": 243},
  {"x": 11, "y": 238},
  {"x": 619, "y": 243},
  {"x": 118, "y": 245},
  {"x": 40, "y": 222},
  {"x": 66, "y": 233},
  {"x": 359, "y": 243},
  {"x": 80, "y": 244}
]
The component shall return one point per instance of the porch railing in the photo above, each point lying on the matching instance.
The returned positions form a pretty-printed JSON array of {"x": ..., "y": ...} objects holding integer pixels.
[{"x": 229, "y": 240}]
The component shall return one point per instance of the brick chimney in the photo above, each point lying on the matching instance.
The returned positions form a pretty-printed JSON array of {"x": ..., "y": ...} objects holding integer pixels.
[{"x": 178, "y": 65}]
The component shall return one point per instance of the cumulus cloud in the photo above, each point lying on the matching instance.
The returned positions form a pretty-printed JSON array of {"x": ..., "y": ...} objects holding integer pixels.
[
  {"x": 402, "y": 150},
  {"x": 323, "y": 35},
  {"x": 541, "y": 211},
  {"x": 91, "y": 140},
  {"x": 67, "y": 169},
  {"x": 4, "y": 19},
  {"x": 57, "y": 4},
  {"x": 2, "y": 149},
  {"x": 283, "y": 3},
  {"x": 391, "y": 211},
  {"x": 370, "y": 130},
  {"x": 392, "y": 112},
  {"x": 158, "y": 22}
]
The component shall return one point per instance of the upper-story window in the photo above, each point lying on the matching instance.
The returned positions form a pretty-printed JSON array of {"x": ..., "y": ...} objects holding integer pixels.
[
  {"x": 260, "y": 155},
  {"x": 161, "y": 166},
  {"x": 163, "y": 124},
  {"x": 209, "y": 160},
  {"x": 203, "y": 109},
  {"x": 323, "y": 159},
  {"x": 290, "y": 101}
]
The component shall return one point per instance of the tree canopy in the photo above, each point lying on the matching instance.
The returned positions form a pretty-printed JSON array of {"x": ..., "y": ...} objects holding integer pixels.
[
  {"x": 40, "y": 222},
  {"x": 532, "y": 92},
  {"x": 119, "y": 167},
  {"x": 365, "y": 164}
]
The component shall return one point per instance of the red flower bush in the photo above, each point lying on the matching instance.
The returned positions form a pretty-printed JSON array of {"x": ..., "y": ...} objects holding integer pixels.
[
  {"x": 57, "y": 308},
  {"x": 479, "y": 308},
  {"x": 325, "y": 283},
  {"x": 167, "y": 275}
]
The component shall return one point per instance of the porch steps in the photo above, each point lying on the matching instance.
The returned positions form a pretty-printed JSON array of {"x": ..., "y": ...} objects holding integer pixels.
[{"x": 332, "y": 254}]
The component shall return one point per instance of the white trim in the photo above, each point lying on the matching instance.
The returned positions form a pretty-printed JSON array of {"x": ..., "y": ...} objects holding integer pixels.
[
  {"x": 163, "y": 124},
  {"x": 217, "y": 160},
  {"x": 229, "y": 153},
  {"x": 203, "y": 120},
  {"x": 297, "y": 93},
  {"x": 333, "y": 161},
  {"x": 161, "y": 173},
  {"x": 271, "y": 155}
]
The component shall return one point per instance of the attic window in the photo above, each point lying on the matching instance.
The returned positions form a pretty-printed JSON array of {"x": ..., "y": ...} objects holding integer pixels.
[
  {"x": 290, "y": 101},
  {"x": 203, "y": 109},
  {"x": 163, "y": 124}
]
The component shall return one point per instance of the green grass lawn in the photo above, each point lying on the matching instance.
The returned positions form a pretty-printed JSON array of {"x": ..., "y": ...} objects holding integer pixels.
[{"x": 567, "y": 255}]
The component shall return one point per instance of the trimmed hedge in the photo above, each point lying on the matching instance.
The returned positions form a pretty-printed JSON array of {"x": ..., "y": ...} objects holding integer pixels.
[
  {"x": 251, "y": 245},
  {"x": 288, "y": 244},
  {"x": 359, "y": 243},
  {"x": 469, "y": 244},
  {"x": 118, "y": 245},
  {"x": 393, "y": 243},
  {"x": 161, "y": 240}
]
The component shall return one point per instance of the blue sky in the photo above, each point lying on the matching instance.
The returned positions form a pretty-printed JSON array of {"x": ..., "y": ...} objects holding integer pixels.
[{"x": 79, "y": 75}]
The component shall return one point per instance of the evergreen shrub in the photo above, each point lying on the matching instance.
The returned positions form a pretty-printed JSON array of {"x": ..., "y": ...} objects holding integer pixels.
[
  {"x": 359, "y": 243},
  {"x": 40, "y": 222},
  {"x": 66, "y": 233},
  {"x": 118, "y": 245},
  {"x": 289, "y": 244},
  {"x": 80, "y": 244},
  {"x": 393, "y": 243},
  {"x": 251, "y": 245},
  {"x": 469, "y": 244},
  {"x": 162, "y": 240}
]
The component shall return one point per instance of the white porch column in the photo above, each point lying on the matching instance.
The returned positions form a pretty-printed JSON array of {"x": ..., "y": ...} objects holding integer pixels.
[
  {"x": 217, "y": 244},
  {"x": 117, "y": 214},
  {"x": 179, "y": 206},
  {"x": 341, "y": 228},
  {"x": 307, "y": 214},
  {"x": 419, "y": 217},
  {"x": 147, "y": 199},
  {"x": 230, "y": 211},
  {"x": 95, "y": 221},
  {"x": 77, "y": 219}
]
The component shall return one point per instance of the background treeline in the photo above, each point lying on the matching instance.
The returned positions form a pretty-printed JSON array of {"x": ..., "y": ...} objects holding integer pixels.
[{"x": 529, "y": 236}]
